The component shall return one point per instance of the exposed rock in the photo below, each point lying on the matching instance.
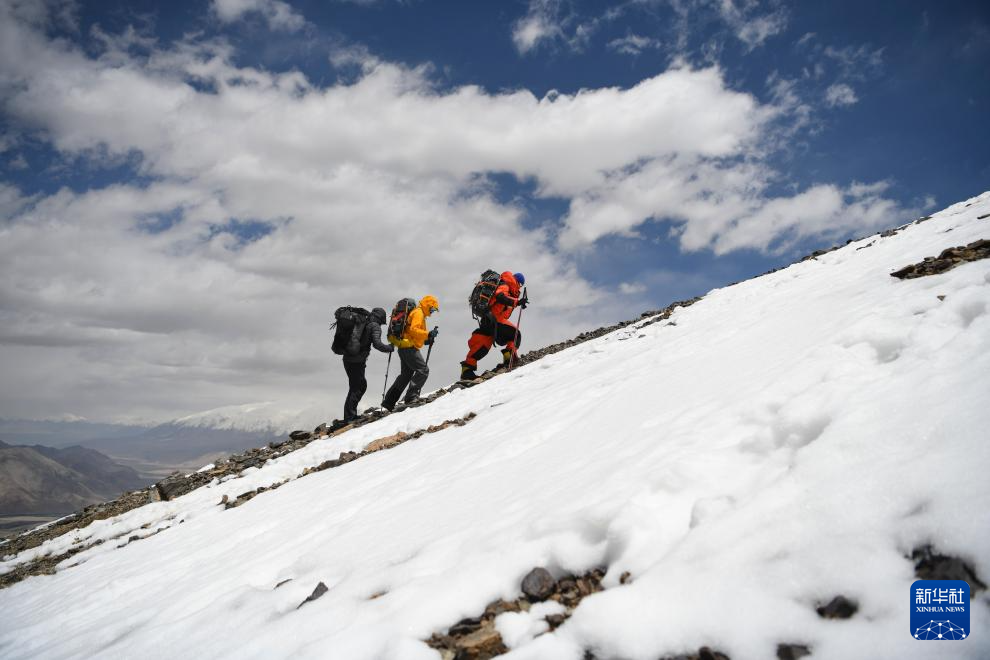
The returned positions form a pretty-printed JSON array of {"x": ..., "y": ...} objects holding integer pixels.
[
  {"x": 930, "y": 565},
  {"x": 947, "y": 260},
  {"x": 300, "y": 435},
  {"x": 339, "y": 425},
  {"x": 452, "y": 643},
  {"x": 816, "y": 254},
  {"x": 704, "y": 653},
  {"x": 538, "y": 584},
  {"x": 320, "y": 430},
  {"x": 481, "y": 644},
  {"x": 173, "y": 486},
  {"x": 251, "y": 494},
  {"x": 502, "y": 606},
  {"x": 317, "y": 593},
  {"x": 792, "y": 651},
  {"x": 466, "y": 626},
  {"x": 625, "y": 578},
  {"x": 347, "y": 457},
  {"x": 839, "y": 607}
]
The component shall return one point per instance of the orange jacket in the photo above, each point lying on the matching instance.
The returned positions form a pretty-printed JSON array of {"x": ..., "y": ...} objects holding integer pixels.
[
  {"x": 416, "y": 333},
  {"x": 507, "y": 287}
]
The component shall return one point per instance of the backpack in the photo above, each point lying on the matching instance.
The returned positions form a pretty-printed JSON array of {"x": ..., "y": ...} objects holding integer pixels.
[
  {"x": 481, "y": 295},
  {"x": 400, "y": 317},
  {"x": 350, "y": 323}
]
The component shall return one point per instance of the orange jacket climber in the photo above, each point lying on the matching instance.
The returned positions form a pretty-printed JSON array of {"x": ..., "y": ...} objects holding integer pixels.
[{"x": 496, "y": 328}]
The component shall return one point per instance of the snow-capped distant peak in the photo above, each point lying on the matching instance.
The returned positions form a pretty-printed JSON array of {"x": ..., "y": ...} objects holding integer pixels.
[{"x": 267, "y": 416}]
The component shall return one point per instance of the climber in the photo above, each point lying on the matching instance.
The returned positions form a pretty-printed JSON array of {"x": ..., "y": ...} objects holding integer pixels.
[
  {"x": 355, "y": 362},
  {"x": 408, "y": 333},
  {"x": 494, "y": 326}
]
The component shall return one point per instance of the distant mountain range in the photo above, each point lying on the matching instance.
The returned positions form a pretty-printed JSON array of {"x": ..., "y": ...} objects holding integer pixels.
[
  {"x": 48, "y": 480},
  {"x": 182, "y": 441}
]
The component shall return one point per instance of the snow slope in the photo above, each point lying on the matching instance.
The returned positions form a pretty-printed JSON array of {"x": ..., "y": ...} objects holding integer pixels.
[{"x": 780, "y": 442}]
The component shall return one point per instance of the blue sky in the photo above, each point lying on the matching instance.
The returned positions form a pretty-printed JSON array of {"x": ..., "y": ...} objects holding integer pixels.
[{"x": 204, "y": 180}]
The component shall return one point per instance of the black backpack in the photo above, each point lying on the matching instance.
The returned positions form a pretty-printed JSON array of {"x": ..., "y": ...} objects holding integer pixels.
[
  {"x": 400, "y": 317},
  {"x": 481, "y": 295},
  {"x": 350, "y": 323}
]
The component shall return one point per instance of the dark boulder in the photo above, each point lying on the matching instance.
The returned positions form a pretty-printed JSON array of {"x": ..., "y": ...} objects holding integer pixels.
[{"x": 538, "y": 584}]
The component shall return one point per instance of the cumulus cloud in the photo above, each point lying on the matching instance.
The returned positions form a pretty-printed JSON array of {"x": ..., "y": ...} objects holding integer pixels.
[
  {"x": 840, "y": 94},
  {"x": 278, "y": 14},
  {"x": 266, "y": 201},
  {"x": 723, "y": 207}
]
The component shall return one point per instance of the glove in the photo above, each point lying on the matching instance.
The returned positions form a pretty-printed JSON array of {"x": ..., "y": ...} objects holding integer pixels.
[
  {"x": 523, "y": 303},
  {"x": 430, "y": 338}
]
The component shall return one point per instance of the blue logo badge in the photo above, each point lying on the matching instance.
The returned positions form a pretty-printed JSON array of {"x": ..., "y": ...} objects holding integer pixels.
[{"x": 940, "y": 609}]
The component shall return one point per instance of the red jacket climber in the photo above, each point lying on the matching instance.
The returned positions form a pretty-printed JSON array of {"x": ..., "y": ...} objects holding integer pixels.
[{"x": 496, "y": 328}]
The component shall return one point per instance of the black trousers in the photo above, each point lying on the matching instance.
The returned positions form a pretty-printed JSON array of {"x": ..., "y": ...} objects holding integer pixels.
[
  {"x": 357, "y": 384},
  {"x": 487, "y": 333},
  {"x": 414, "y": 373}
]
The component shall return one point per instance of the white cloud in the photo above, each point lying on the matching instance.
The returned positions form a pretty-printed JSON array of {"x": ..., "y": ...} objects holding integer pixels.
[
  {"x": 856, "y": 62},
  {"x": 633, "y": 44},
  {"x": 749, "y": 26},
  {"x": 19, "y": 162},
  {"x": 724, "y": 207},
  {"x": 631, "y": 288},
  {"x": 371, "y": 191},
  {"x": 538, "y": 25},
  {"x": 530, "y": 31},
  {"x": 554, "y": 22},
  {"x": 840, "y": 94},
  {"x": 279, "y": 15}
]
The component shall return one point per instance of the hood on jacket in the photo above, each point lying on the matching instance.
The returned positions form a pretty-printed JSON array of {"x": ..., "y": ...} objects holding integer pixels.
[
  {"x": 427, "y": 303},
  {"x": 510, "y": 279},
  {"x": 379, "y": 315}
]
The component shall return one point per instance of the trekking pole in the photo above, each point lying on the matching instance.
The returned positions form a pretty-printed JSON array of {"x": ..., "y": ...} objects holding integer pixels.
[
  {"x": 512, "y": 360},
  {"x": 436, "y": 330},
  {"x": 387, "y": 365}
]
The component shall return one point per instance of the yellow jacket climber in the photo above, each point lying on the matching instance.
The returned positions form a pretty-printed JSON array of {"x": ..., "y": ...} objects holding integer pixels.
[
  {"x": 415, "y": 371},
  {"x": 415, "y": 333}
]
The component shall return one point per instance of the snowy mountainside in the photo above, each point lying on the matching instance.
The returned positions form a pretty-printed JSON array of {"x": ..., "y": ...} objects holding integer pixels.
[{"x": 780, "y": 442}]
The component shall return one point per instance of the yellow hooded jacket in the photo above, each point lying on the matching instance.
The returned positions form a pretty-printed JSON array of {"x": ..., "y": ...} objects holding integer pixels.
[{"x": 416, "y": 333}]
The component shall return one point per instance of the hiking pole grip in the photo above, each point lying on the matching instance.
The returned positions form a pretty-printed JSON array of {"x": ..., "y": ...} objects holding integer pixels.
[{"x": 436, "y": 331}]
